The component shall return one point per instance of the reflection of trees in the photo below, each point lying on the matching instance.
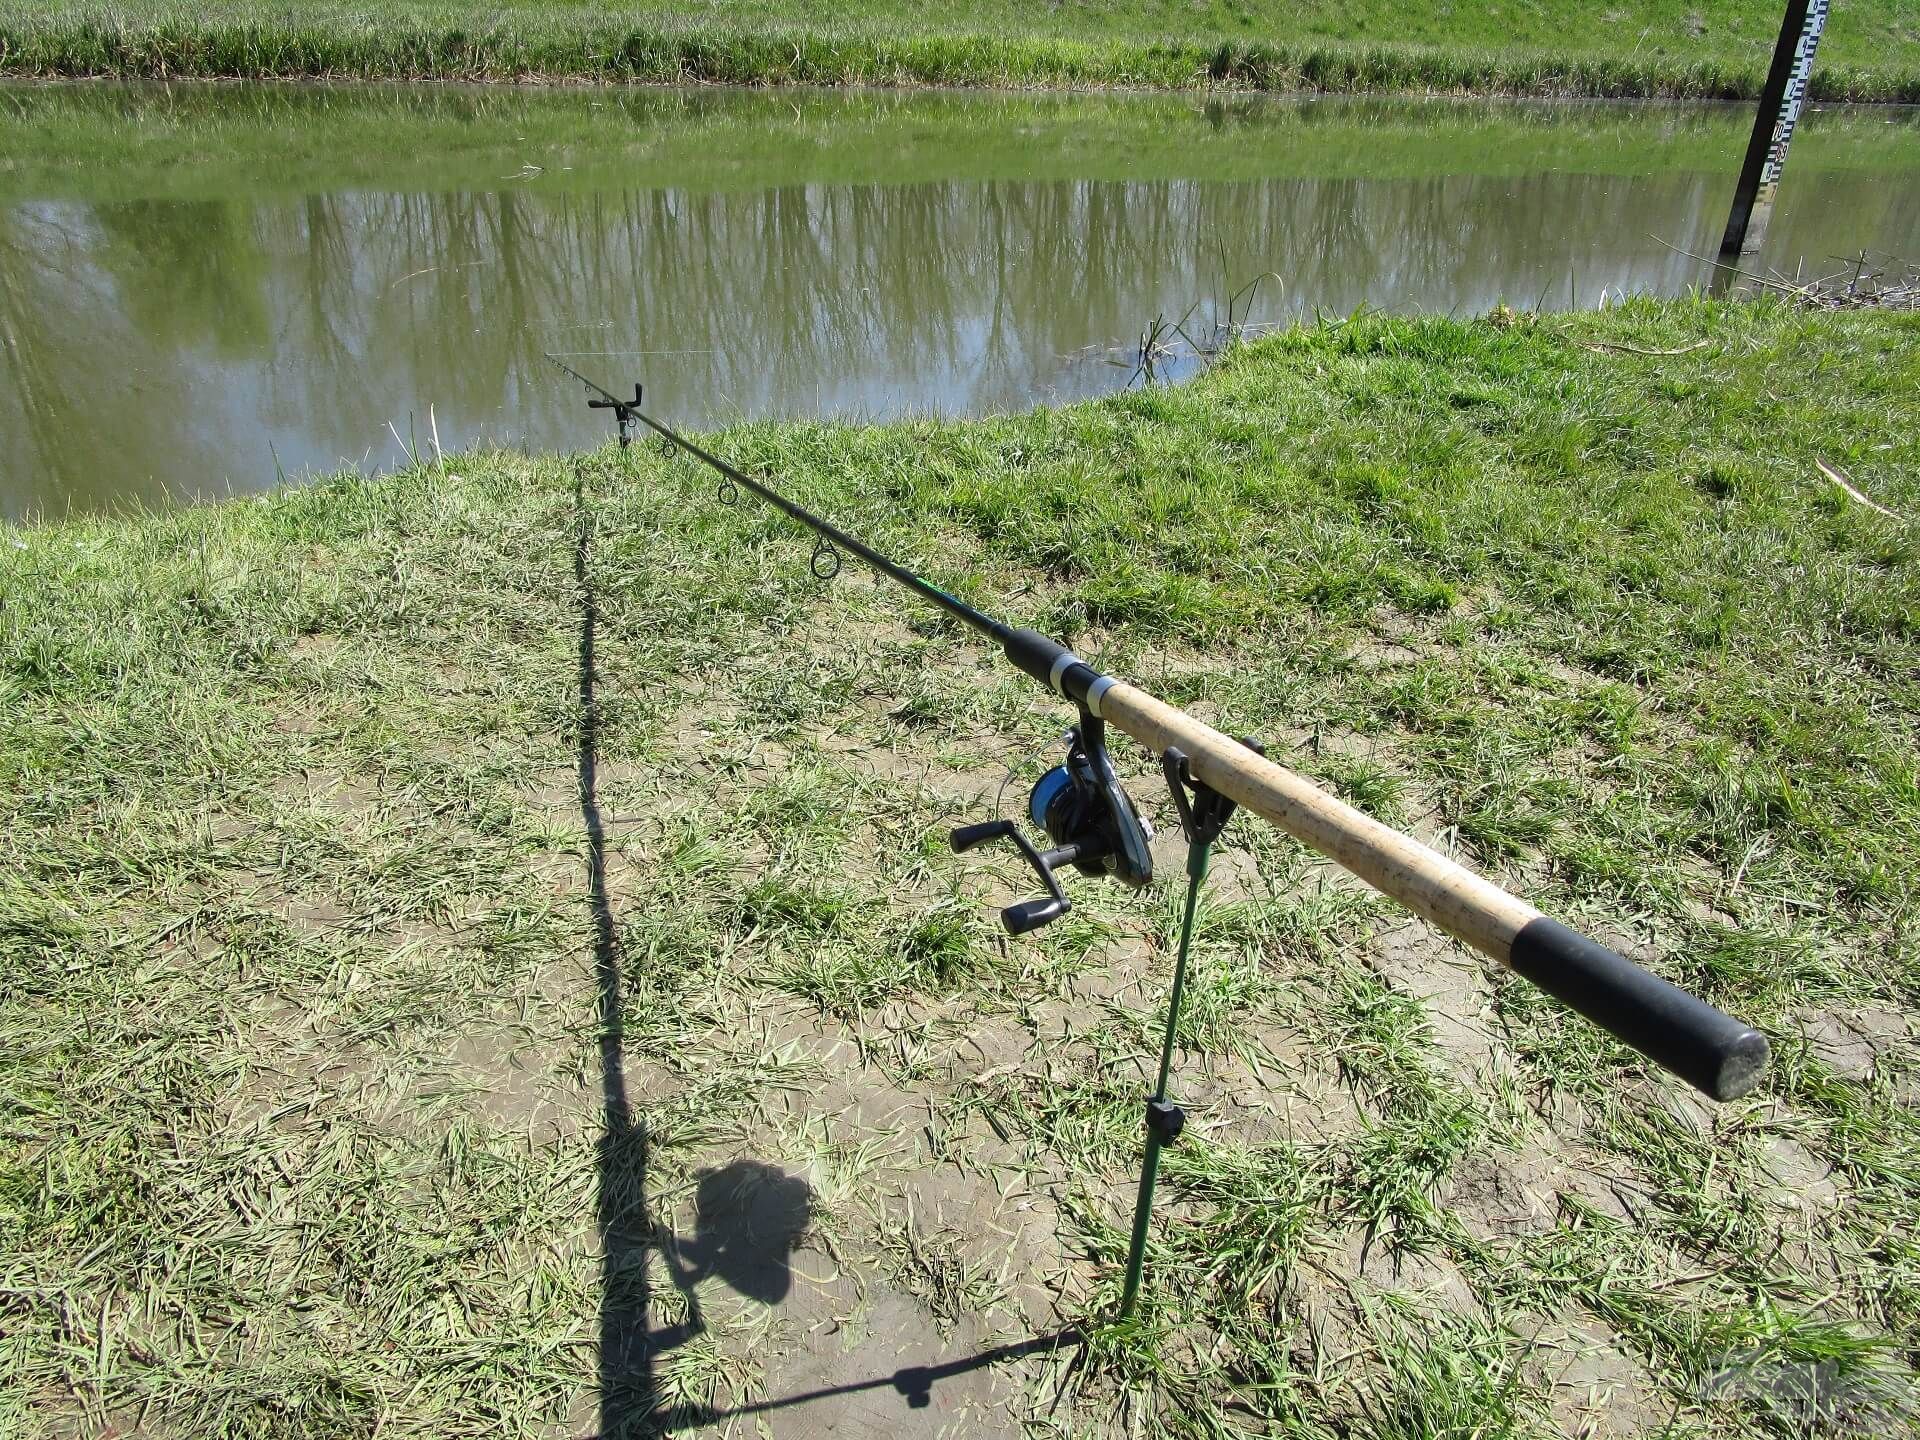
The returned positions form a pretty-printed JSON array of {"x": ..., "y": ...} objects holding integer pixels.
[
  {"x": 87, "y": 411},
  {"x": 188, "y": 269},
  {"x": 316, "y": 321},
  {"x": 35, "y": 403},
  {"x": 325, "y": 276}
]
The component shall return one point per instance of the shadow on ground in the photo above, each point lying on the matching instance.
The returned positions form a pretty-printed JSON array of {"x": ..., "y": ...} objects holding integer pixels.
[{"x": 749, "y": 1215}]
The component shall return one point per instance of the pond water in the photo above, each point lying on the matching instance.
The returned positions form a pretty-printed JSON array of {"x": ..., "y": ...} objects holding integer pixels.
[{"x": 205, "y": 288}]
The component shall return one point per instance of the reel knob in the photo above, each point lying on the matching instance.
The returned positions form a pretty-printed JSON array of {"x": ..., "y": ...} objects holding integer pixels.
[
  {"x": 967, "y": 837},
  {"x": 1032, "y": 914}
]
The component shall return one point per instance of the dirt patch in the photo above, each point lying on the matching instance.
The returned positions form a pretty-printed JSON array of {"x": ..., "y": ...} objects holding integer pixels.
[
  {"x": 1852, "y": 1042},
  {"x": 1452, "y": 987},
  {"x": 1596, "y": 1390},
  {"x": 315, "y": 648},
  {"x": 347, "y": 795},
  {"x": 1504, "y": 1195},
  {"x": 1426, "y": 1280},
  {"x": 529, "y": 1088},
  {"x": 865, "y": 1359}
]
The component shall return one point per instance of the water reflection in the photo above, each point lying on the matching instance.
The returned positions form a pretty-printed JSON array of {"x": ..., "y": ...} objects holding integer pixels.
[{"x": 155, "y": 346}]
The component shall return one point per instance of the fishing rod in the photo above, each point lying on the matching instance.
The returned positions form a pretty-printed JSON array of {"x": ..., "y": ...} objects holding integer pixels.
[
  {"x": 1081, "y": 806},
  {"x": 1084, "y": 810}
]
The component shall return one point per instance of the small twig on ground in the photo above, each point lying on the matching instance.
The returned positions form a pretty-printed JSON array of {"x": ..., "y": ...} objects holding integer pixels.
[
  {"x": 1603, "y": 346},
  {"x": 1848, "y": 488}
]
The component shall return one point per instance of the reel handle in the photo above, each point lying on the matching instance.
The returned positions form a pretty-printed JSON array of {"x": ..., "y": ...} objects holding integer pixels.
[
  {"x": 969, "y": 837},
  {"x": 1026, "y": 915}
]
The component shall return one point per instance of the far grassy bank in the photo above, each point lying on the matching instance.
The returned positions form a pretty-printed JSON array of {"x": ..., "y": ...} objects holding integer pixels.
[
  {"x": 1545, "y": 47},
  {"x": 361, "y": 844}
]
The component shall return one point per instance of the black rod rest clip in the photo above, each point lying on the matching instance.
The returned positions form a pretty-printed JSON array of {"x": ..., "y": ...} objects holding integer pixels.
[
  {"x": 622, "y": 413},
  {"x": 1205, "y": 815},
  {"x": 1082, "y": 808}
]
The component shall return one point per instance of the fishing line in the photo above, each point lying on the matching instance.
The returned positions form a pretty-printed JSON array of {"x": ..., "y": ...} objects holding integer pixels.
[{"x": 610, "y": 354}]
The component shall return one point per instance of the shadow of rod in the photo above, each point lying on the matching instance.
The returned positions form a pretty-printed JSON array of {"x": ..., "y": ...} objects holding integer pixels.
[
  {"x": 626, "y": 1362},
  {"x": 915, "y": 1383}
]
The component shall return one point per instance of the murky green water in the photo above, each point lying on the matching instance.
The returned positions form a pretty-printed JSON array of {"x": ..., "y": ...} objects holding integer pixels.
[{"x": 203, "y": 288}]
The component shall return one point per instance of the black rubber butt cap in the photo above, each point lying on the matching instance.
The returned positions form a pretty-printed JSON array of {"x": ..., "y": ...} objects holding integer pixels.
[{"x": 1713, "y": 1052}]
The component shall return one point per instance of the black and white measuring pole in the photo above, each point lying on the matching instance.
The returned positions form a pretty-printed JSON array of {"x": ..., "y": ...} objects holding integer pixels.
[{"x": 1780, "y": 101}]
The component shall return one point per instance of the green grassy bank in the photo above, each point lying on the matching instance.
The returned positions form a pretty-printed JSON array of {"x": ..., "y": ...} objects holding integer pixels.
[
  {"x": 303, "y": 942},
  {"x": 1544, "y": 47}
]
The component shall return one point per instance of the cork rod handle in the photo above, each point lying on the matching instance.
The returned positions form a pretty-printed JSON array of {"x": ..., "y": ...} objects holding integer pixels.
[{"x": 1704, "y": 1046}]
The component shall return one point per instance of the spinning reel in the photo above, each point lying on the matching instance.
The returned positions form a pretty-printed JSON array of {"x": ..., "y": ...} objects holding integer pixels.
[{"x": 1083, "y": 810}]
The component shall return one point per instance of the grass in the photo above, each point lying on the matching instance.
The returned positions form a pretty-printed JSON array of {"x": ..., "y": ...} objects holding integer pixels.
[
  {"x": 1543, "y": 47},
  {"x": 300, "y": 1110}
]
